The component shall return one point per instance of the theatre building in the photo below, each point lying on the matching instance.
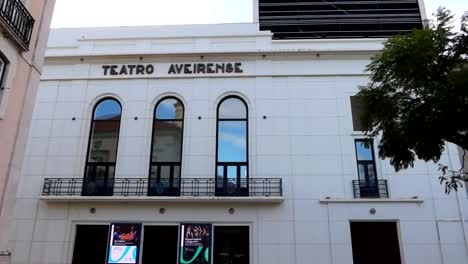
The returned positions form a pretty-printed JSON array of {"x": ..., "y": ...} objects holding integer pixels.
[{"x": 226, "y": 144}]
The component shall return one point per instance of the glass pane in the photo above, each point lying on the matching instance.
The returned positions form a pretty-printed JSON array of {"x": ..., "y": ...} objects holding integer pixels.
[
  {"x": 165, "y": 175},
  {"x": 362, "y": 172},
  {"x": 244, "y": 178},
  {"x": 154, "y": 171},
  {"x": 220, "y": 172},
  {"x": 371, "y": 172},
  {"x": 167, "y": 141},
  {"x": 176, "y": 172},
  {"x": 104, "y": 141},
  {"x": 108, "y": 110},
  {"x": 232, "y": 108},
  {"x": 232, "y": 141},
  {"x": 363, "y": 152},
  {"x": 232, "y": 172},
  {"x": 220, "y": 177},
  {"x": 231, "y": 179},
  {"x": 170, "y": 109},
  {"x": 244, "y": 172}
]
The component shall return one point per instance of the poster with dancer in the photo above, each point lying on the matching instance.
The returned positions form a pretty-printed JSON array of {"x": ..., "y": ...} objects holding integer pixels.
[
  {"x": 124, "y": 243},
  {"x": 195, "y": 244}
]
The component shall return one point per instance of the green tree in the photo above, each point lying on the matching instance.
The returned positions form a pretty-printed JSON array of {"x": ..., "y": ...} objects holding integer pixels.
[{"x": 417, "y": 99}]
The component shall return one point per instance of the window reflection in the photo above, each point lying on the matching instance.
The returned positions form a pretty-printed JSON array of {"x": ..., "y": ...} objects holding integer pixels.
[
  {"x": 166, "y": 150},
  {"x": 232, "y": 108},
  {"x": 232, "y": 141},
  {"x": 232, "y": 153},
  {"x": 102, "y": 152},
  {"x": 365, "y": 160},
  {"x": 363, "y": 152}
]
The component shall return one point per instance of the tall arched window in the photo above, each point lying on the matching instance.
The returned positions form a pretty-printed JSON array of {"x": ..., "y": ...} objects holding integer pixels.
[
  {"x": 102, "y": 148},
  {"x": 232, "y": 167},
  {"x": 166, "y": 149}
]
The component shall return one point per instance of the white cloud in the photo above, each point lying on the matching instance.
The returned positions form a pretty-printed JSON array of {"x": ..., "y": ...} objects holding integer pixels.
[{"x": 100, "y": 13}]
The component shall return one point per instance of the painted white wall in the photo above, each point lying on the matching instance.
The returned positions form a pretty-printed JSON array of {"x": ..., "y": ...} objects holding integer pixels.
[{"x": 307, "y": 140}]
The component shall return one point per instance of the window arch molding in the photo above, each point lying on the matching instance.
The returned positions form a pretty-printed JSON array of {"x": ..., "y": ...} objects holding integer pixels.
[
  {"x": 103, "y": 140},
  {"x": 166, "y": 146},
  {"x": 232, "y": 146}
]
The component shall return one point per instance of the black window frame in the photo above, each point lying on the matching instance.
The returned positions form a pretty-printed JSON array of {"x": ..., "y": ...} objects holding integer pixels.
[
  {"x": 4, "y": 60},
  {"x": 224, "y": 190},
  {"x": 368, "y": 187},
  {"x": 108, "y": 189},
  {"x": 174, "y": 185}
]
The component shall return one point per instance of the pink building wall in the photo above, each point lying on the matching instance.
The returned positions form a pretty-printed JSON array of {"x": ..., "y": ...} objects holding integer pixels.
[{"x": 16, "y": 107}]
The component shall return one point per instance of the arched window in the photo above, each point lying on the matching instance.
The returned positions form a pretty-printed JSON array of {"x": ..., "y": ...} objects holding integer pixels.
[
  {"x": 166, "y": 148},
  {"x": 232, "y": 167},
  {"x": 3, "y": 68},
  {"x": 102, "y": 148}
]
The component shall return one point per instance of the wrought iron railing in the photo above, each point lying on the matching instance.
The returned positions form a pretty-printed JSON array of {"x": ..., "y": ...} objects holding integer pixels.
[
  {"x": 258, "y": 187},
  {"x": 18, "y": 19},
  {"x": 370, "y": 189}
]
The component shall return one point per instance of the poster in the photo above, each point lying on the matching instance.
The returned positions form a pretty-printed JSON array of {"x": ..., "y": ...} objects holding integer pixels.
[
  {"x": 124, "y": 243},
  {"x": 195, "y": 244}
]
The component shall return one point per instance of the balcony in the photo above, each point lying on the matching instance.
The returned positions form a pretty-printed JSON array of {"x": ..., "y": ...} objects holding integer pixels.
[
  {"x": 143, "y": 189},
  {"x": 16, "y": 19},
  {"x": 370, "y": 189}
]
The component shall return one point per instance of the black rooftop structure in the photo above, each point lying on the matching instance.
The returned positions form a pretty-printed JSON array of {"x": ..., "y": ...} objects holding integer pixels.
[{"x": 306, "y": 19}]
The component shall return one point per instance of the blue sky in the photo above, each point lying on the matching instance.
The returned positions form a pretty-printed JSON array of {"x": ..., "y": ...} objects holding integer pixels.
[{"x": 99, "y": 13}]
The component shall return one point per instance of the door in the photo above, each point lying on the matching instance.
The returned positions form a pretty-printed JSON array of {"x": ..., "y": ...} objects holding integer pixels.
[
  {"x": 160, "y": 244},
  {"x": 90, "y": 244},
  {"x": 375, "y": 242},
  {"x": 231, "y": 245}
]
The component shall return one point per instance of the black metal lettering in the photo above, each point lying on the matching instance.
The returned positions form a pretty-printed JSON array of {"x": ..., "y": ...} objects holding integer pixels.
[
  {"x": 172, "y": 70},
  {"x": 106, "y": 68},
  {"x": 113, "y": 70},
  {"x": 140, "y": 70},
  {"x": 123, "y": 70},
  {"x": 131, "y": 68},
  {"x": 149, "y": 69},
  {"x": 237, "y": 67},
  {"x": 209, "y": 67},
  {"x": 219, "y": 67},
  {"x": 187, "y": 69},
  {"x": 201, "y": 68},
  {"x": 229, "y": 68},
  {"x": 179, "y": 68}
]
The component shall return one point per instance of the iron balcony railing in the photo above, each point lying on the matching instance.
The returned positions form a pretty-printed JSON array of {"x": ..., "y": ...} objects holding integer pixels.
[
  {"x": 370, "y": 189},
  {"x": 18, "y": 20},
  {"x": 258, "y": 187}
]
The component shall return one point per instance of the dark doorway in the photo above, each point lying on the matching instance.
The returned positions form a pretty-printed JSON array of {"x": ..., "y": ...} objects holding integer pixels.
[
  {"x": 160, "y": 244},
  {"x": 231, "y": 245},
  {"x": 90, "y": 244},
  {"x": 375, "y": 242}
]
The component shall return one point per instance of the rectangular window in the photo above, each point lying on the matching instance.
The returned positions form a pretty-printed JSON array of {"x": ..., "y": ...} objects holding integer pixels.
[
  {"x": 367, "y": 184},
  {"x": 356, "y": 110},
  {"x": 375, "y": 242},
  {"x": 365, "y": 160},
  {"x": 3, "y": 64}
]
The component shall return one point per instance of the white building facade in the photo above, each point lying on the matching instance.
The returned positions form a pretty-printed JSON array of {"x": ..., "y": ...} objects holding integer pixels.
[{"x": 217, "y": 144}]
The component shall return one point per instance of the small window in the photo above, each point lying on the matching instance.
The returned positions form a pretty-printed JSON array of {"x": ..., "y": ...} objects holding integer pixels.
[
  {"x": 166, "y": 149},
  {"x": 356, "y": 111},
  {"x": 365, "y": 160},
  {"x": 367, "y": 186},
  {"x": 3, "y": 67},
  {"x": 102, "y": 149}
]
